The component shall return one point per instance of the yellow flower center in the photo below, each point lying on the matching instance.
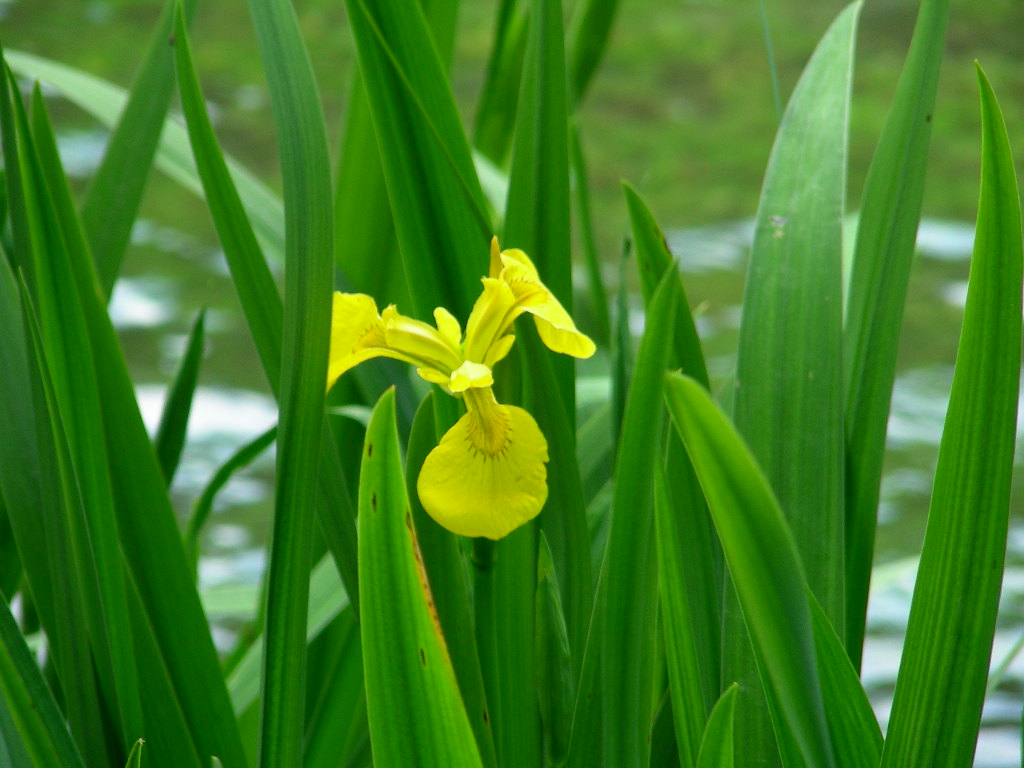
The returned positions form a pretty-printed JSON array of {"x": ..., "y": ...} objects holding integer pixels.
[{"x": 488, "y": 425}]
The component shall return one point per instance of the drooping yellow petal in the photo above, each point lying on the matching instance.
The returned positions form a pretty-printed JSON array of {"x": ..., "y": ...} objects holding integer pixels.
[
  {"x": 357, "y": 333},
  {"x": 487, "y": 476},
  {"x": 554, "y": 324}
]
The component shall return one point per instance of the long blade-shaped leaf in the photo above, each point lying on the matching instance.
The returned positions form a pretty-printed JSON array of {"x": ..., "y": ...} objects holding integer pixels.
[
  {"x": 309, "y": 241},
  {"x": 416, "y": 714},
  {"x": 261, "y": 303},
  {"x": 170, "y": 435},
  {"x": 628, "y": 584},
  {"x": 115, "y": 193},
  {"x": 789, "y": 388},
  {"x": 765, "y": 569},
  {"x": 941, "y": 684},
  {"x": 39, "y": 723},
  {"x": 890, "y": 208},
  {"x": 443, "y": 235},
  {"x": 716, "y": 747}
]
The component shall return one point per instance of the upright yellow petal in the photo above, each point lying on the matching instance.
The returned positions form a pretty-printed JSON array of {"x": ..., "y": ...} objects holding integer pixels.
[
  {"x": 487, "y": 476},
  {"x": 488, "y": 320}
]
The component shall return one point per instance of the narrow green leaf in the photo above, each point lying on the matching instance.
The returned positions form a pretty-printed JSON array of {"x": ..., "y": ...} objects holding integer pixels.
[
  {"x": 56, "y": 239},
  {"x": 327, "y": 598},
  {"x": 309, "y": 238},
  {"x": 856, "y": 737},
  {"x": 204, "y": 504},
  {"x": 716, "y": 749},
  {"x": 443, "y": 235},
  {"x": 537, "y": 218},
  {"x": 261, "y": 304},
  {"x": 416, "y": 714},
  {"x": 135, "y": 757},
  {"x": 563, "y": 519},
  {"x": 890, "y": 209},
  {"x": 597, "y": 303},
  {"x": 446, "y": 571},
  {"x": 686, "y": 682},
  {"x": 115, "y": 193},
  {"x": 627, "y": 589},
  {"x": 167, "y": 595},
  {"x": 653, "y": 259},
  {"x": 765, "y": 568},
  {"x": 555, "y": 678},
  {"x": 39, "y": 723},
  {"x": 340, "y": 709},
  {"x": 941, "y": 685},
  {"x": 106, "y": 102},
  {"x": 170, "y": 434},
  {"x": 499, "y": 95},
  {"x": 588, "y": 36}
]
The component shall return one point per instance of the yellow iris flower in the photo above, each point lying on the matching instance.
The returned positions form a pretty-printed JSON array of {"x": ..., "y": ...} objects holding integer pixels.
[{"x": 486, "y": 477}]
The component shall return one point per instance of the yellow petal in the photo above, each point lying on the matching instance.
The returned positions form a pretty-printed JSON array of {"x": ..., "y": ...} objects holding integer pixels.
[
  {"x": 499, "y": 350},
  {"x": 487, "y": 475},
  {"x": 489, "y": 319},
  {"x": 419, "y": 342},
  {"x": 470, "y": 375},
  {"x": 448, "y": 327},
  {"x": 554, "y": 324},
  {"x": 495, "y": 266},
  {"x": 356, "y": 332}
]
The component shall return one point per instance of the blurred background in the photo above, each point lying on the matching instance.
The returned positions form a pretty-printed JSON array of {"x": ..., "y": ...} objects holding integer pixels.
[{"x": 682, "y": 108}]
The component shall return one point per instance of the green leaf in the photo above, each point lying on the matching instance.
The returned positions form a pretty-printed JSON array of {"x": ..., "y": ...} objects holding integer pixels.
[
  {"x": 627, "y": 587},
  {"x": 653, "y": 259},
  {"x": 597, "y": 304},
  {"x": 941, "y": 684},
  {"x": 167, "y": 596},
  {"x": 588, "y": 37},
  {"x": 135, "y": 757},
  {"x": 499, "y": 95},
  {"x": 261, "y": 304},
  {"x": 856, "y": 736},
  {"x": 170, "y": 434},
  {"x": 106, "y": 102},
  {"x": 537, "y": 217},
  {"x": 305, "y": 169},
  {"x": 765, "y": 568},
  {"x": 327, "y": 599},
  {"x": 890, "y": 209},
  {"x": 112, "y": 201},
  {"x": 789, "y": 378},
  {"x": 30, "y": 705},
  {"x": 681, "y": 626},
  {"x": 416, "y": 714},
  {"x": 716, "y": 749},
  {"x": 446, "y": 571},
  {"x": 555, "y": 678},
  {"x": 443, "y": 235},
  {"x": 204, "y": 504}
]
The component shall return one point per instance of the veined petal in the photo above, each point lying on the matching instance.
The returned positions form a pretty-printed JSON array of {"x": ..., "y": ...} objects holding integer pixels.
[
  {"x": 420, "y": 342},
  {"x": 554, "y": 324},
  {"x": 489, "y": 319},
  {"x": 487, "y": 475},
  {"x": 470, "y": 375}
]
